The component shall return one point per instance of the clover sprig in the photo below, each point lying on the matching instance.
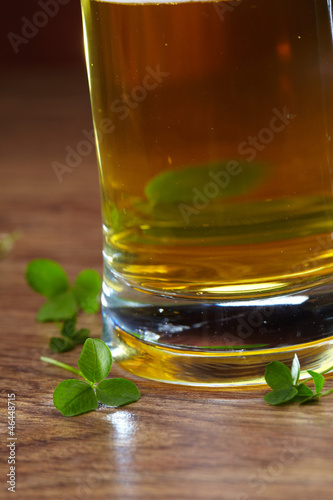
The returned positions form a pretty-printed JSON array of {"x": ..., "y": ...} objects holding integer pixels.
[
  {"x": 74, "y": 397},
  {"x": 286, "y": 387},
  {"x": 64, "y": 302}
]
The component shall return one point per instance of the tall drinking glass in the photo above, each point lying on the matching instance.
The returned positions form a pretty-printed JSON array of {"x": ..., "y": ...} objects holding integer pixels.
[{"x": 213, "y": 125}]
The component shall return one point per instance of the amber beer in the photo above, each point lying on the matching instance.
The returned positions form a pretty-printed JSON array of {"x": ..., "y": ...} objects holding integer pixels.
[{"x": 216, "y": 178}]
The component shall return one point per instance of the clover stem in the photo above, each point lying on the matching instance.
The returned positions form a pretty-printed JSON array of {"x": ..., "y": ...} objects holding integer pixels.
[
  {"x": 61, "y": 365},
  {"x": 325, "y": 393}
]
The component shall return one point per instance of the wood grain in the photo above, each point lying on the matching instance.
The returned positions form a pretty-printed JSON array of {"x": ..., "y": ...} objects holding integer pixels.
[{"x": 175, "y": 442}]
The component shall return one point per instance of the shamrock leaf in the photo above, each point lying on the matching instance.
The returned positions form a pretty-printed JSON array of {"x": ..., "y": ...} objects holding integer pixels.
[
  {"x": 278, "y": 375},
  {"x": 95, "y": 360},
  {"x": 46, "y": 277},
  {"x": 86, "y": 290},
  {"x": 73, "y": 397},
  {"x": 117, "y": 392}
]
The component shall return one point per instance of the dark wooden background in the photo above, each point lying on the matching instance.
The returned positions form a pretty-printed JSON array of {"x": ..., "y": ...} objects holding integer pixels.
[
  {"x": 175, "y": 442},
  {"x": 55, "y": 39}
]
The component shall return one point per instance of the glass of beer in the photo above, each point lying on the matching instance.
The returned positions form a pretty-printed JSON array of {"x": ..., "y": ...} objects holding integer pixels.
[{"x": 213, "y": 126}]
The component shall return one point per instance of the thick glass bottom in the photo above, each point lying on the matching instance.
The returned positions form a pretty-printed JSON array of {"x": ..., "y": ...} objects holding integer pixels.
[{"x": 224, "y": 344}]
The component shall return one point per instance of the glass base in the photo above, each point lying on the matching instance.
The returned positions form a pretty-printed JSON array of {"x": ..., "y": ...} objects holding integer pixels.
[{"x": 210, "y": 344}]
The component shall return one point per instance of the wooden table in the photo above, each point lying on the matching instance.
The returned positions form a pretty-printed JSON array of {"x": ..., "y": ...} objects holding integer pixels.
[{"x": 175, "y": 442}]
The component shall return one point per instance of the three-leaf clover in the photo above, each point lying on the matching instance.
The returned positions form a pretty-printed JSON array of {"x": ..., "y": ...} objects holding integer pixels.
[
  {"x": 64, "y": 302},
  {"x": 74, "y": 397},
  {"x": 286, "y": 387}
]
